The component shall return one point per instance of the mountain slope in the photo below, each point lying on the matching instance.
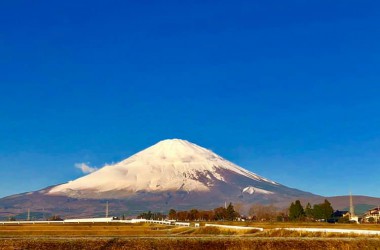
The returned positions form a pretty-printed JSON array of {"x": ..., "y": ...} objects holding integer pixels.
[
  {"x": 169, "y": 166},
  {"x": 170, "y": 174}
]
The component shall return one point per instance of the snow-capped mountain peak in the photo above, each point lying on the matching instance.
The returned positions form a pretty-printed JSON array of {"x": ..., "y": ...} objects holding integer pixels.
[{"x": 169, "y": 165}]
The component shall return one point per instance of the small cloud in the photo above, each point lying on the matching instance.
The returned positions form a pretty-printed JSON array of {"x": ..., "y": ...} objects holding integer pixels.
[{"x": 86, "y": 169}]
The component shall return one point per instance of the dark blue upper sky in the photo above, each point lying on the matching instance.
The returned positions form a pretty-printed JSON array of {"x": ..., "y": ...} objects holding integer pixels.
[{"x": 287, "y": 89}]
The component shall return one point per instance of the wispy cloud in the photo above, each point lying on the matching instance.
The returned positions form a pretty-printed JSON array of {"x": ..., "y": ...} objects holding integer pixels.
[{"x": 85, "y": 168}]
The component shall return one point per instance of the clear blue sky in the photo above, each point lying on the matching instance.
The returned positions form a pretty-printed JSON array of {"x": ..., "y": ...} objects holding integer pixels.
[{"x": 287, "y": 89}]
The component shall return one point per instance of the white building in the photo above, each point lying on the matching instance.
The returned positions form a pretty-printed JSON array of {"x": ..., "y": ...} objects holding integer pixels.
[{"x": 372, "y": 215}]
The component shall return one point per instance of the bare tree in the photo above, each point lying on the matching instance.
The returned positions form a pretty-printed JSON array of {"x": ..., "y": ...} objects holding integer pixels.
[{"x": 263, "y": 213}]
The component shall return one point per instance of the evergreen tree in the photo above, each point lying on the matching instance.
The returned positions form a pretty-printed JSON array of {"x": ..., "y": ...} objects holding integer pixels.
[
  {"x": 327, "y": 209},
  {"x": 147, "y": 216},
  {"x": 220, "y": 213},
  {"x": 296, "y": 211},
  {"x": 291, "y": 211},
  {"x": 317, "y": 212},
  {"x": 308, "y": 211},
  {"x": 322, "y": 211},
  {"x": 172, "y": 214},
  {"x": 230, "y": 212}
]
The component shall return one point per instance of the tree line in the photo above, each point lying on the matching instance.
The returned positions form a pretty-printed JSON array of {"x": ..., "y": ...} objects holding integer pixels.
[
  {"x": 256, "y": 212},
  {"x": 320, "y": 212},
  {"x": 220, "y": 213}
]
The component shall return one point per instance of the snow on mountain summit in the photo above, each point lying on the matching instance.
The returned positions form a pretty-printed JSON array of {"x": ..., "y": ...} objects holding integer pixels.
[{"x": 169, "y": 165}]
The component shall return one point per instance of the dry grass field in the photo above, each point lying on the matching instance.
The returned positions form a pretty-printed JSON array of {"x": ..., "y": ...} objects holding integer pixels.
[
  {"x": 86, "y": 230},
  {"x": 271, "y": 225},
  {"x": 185, "y": 243},
  {"x": 153, "y": 236}
]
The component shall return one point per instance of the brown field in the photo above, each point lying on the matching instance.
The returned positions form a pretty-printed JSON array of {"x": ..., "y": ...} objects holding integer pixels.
[
  {"x": 153, "y": 236},
  {"x": 271, "y": 225},
  {"x": 88, "y": 229},
  {"x": 145, "y": 229},
  {"x": 194, "y": 243}
]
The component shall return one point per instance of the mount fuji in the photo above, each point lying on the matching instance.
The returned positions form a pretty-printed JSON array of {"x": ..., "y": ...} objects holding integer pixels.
[
  {"x": 170, "y": 174},
  {"x": 169, "y": 166}
]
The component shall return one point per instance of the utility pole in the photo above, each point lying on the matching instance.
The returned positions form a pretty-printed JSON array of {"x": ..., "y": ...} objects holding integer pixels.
[
  {"x": 353, "y": 217},
  {"x": 28, "y": 218},
  {"x": 107, "y": 210},
  {"x": 352, "y": 210}
]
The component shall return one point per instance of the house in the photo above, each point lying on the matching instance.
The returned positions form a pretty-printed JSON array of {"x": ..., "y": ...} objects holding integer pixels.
[
  {"x": 337, "y": 215},
  {"x": 372, "y": 215}
]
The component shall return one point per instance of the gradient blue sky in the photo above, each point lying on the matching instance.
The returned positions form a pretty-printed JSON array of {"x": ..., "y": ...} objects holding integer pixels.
[{"x": 287, "y": 89}]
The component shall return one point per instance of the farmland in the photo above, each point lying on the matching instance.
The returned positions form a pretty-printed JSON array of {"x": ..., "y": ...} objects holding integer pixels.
[
  {"x": 211, "y": 243},
  {"x": 153, "y": 236}
]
